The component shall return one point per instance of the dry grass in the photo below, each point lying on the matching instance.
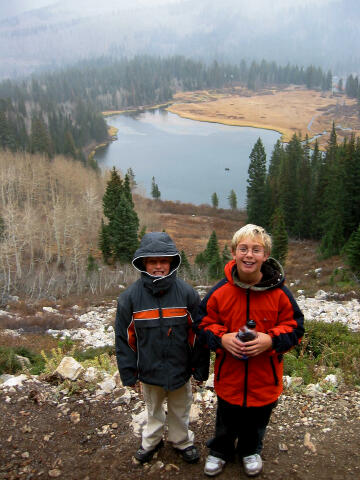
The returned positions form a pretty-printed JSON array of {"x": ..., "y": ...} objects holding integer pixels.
[
  {"x": 287, "y": 111},
  {"x": 33, "y": 342}
]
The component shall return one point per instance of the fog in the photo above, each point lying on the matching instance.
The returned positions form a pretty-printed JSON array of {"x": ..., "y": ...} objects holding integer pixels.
[{"x": 43, "y": 34}]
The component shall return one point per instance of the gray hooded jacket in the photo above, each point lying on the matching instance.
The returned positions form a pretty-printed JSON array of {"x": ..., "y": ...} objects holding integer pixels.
[{"x": 155, "y": 340}]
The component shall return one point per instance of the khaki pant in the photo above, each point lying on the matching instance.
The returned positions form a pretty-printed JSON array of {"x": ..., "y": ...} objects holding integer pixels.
[{"x": 178, "y": 410}]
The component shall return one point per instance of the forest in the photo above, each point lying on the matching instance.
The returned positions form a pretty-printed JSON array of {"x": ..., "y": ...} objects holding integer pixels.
[{"x": 311, "y": 194}]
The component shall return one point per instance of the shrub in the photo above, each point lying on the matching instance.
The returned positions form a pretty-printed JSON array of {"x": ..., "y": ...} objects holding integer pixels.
[
  {"x": 10, "y": 364},
  {"x": 326, "y": 347}
]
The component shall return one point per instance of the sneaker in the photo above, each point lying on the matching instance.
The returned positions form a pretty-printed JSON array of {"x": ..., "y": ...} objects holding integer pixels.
[
  {"x": 252, "y": 464},
  {"x": 143, "y": 455},
  {"x": 189, "y": 454},
  {"x": 213, "y": 465}
]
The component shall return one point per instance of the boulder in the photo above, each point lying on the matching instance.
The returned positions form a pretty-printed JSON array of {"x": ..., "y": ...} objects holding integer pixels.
[{"x": 69, "y": 368}]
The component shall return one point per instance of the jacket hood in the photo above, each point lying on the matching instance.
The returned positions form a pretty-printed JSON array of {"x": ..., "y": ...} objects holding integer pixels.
[
  {"x": 273, "y": 275},
  {"x": 156, "y": 244}
]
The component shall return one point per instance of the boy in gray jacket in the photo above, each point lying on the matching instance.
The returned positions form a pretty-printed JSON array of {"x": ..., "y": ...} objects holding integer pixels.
[{"x": 156, "y": 345}]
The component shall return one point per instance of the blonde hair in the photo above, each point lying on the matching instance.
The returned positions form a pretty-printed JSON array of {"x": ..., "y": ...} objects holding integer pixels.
[{"x": 253, "y": 232}]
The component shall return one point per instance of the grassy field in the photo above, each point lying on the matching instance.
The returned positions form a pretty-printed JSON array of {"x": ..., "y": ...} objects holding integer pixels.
[{"x": 288, "y": 111}]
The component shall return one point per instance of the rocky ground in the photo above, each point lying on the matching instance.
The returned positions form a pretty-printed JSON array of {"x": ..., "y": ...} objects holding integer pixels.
[{"x": 49, "y": 434}]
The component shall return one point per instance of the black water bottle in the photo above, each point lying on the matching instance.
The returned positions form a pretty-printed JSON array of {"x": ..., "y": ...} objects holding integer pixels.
[{"x": 247, "y": 333}]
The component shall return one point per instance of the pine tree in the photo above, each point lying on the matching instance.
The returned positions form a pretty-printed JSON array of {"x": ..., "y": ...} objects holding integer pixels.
[
  {"x": 142, "y": 232},
  {"x": 92, "y": 266},
  {"x": 331, "y": 213},
  {"x": 112, "y": 194},
  {"x": 185, "y": 267},
  {"x": 279, "y": 236},
  {"x": 123, "y": 231},
  {"x": 119, "y": 238},
  {"x": 210, "y": 257},
  {"x": 232, "y": 200},
  {"x": 155, "y": 192},
  {"x": 290, "y": 184},
  {"x": 130, "y": 173},
  {"x": 104, "y": 242},
  {"x": 352, "y": 252},
  {"x": 226, "y": 255},
  {"x": 214, "y": 200},
  {"x": 256, "y": 190}
]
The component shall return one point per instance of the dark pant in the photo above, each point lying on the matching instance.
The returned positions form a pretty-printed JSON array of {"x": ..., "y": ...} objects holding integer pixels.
[{"x": 247, "y": 425}]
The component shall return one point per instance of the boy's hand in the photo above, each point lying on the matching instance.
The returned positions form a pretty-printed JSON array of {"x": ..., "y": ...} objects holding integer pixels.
[
  {"x": 232, "y": 344},
  {"x": 262, "y": 342}
]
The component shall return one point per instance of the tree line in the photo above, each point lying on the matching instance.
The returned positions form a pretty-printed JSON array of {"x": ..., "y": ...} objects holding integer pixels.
[{"x": 60, "y": 112}]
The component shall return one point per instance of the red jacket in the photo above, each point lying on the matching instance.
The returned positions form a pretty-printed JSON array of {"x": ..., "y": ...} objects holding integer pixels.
[{"x": 256, "y": 381}]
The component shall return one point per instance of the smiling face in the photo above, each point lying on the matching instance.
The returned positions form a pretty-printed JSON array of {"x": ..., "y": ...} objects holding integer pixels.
[
  {"x": 157, "y": 266},
  {"x": 249, "y": 256}
]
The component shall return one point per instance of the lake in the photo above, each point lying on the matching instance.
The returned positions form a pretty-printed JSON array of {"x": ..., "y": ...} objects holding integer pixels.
[{"x": 190, "y": 160}]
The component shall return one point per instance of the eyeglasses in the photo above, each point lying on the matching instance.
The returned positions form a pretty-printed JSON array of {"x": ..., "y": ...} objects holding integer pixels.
[{"x": 255, "y": 251}]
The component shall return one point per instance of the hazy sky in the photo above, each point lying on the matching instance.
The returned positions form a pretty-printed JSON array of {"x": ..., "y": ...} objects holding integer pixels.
[{"x": 14, "y": 7}]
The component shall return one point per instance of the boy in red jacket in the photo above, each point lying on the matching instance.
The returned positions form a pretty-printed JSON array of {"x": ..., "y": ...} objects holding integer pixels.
[{"x": 248, "y": 375}]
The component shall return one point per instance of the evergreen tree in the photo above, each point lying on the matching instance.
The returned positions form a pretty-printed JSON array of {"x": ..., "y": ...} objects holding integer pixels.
[
  {"x": 290, "y": 184},
  {"x": 185, "y": 267},
  {"x": 142, "y": 232},
  {"x": 112, "y": 194},
  {"x": 123, "y": 231},
  {"x": 130, "y": 173},
  {"x": 214, "y": 200},
  {"x": 155, "y": 192},
  {"x": 40, "y": 140},
  {"x": 210, "y": 257},
  {"x": 352, "y": 252},
  {"x": 331, "y": 213},
  {"x": 119, "y": 238},
  {"x": 232, "y": 200},
  {"x": 279, "y": 236},
  {"x": 226, "y": 256},
  {"x": 272, "y": 184},
  {"x": 104, "y": 242},
  {"x": 92, "y": 266},
  {"x": 256, "y": 190}
]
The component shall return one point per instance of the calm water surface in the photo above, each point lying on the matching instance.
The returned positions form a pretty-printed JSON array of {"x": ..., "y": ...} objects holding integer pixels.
[{"x": 188, "y": 159}]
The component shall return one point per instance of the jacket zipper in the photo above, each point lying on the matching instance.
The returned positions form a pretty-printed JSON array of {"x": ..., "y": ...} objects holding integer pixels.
[
  {"x": 246, "y": 362},
  {"x": 162, "y": 341}
]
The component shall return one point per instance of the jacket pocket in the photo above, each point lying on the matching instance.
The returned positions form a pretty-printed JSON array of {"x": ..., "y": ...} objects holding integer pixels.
[{"x": 276, "y": 378}]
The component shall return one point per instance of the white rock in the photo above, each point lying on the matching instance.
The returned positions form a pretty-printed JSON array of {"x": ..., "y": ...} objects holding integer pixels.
[
  {"x": 313, "y": 389},
  {"x": 69, "y": 368},
  {"x": 210, "y": 381},
  {"x": 91, "y": 374},
  {"x": 117, "y": 379},
  {"x": 108, "y": 384},
  {"x": 14, "y": 381},
  {"x": 195, "y": 412},
  {"x": 51, "y": 310},
  {"x": 332, "y": 379}
]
